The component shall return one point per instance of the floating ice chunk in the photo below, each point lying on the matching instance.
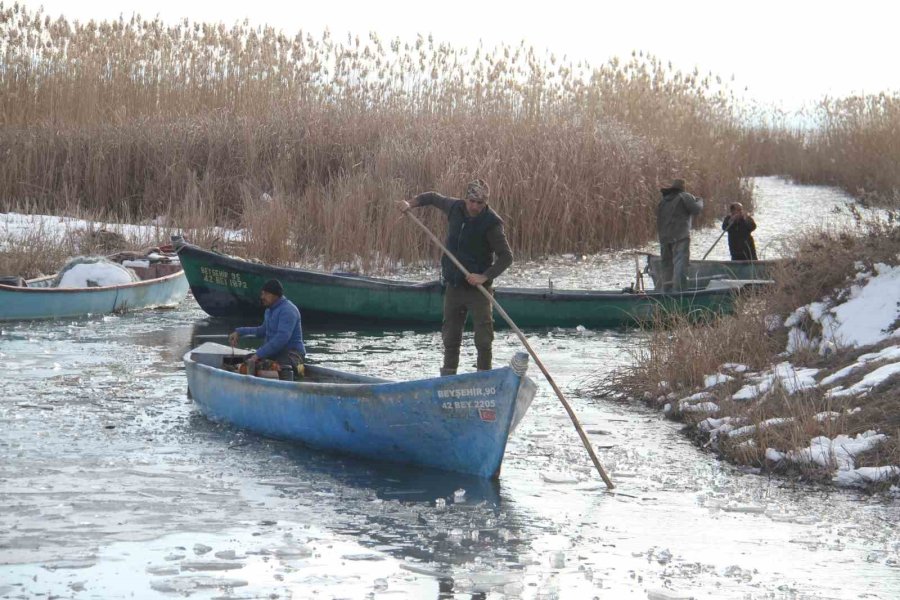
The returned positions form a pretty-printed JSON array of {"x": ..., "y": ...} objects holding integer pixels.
[
  {"x": 185, "y": 585},
  {"x": 440, "y": 504},
  {"x": 558, "y": 477},
  {"x": 163, "y": 570},
  {"x": 744, "y": 508},
  {"x": 299, "y": 551},
  {"x": 422, "y": 570},
  {"x": 363, "y": 556},
  {"x": 380, "y": 584},
  {"x": 558, "y": 560},
  {"x": 200, "y": 549},
  {"x": 459, "y": 495},
  {"x": 205, "y": 565},
  {"x": 661, "y": 594},
  {"x": 74, "y": 563}
]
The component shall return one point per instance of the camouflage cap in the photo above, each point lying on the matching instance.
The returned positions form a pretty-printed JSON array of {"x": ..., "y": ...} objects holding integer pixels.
[{"x": 478, "y": 190}]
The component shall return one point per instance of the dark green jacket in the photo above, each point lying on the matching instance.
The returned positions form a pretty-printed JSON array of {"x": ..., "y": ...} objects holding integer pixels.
[
  {"x": 474, "y": 241},
  {"x": 674, "y": 213}
]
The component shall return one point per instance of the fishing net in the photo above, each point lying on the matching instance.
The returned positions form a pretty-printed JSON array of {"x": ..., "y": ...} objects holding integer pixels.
[{"x": 93, "y": 271}]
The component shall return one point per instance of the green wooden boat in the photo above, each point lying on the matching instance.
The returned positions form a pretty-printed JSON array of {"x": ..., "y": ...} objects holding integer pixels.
[
  {"x": 226, "y": 286},
  {"x": 700, "y": 272}
]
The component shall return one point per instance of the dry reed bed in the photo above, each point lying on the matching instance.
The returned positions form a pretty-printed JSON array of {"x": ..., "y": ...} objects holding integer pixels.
[
  {"x": 680, "y": 354},
  {"x": 851, "y": 143},
  {"x": 134, "y": 118}
]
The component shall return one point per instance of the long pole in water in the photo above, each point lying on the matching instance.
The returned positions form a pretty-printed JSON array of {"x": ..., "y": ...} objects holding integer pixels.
[
  {"x": 537, "y": 360},
  {"x": 724, "y": 231}
]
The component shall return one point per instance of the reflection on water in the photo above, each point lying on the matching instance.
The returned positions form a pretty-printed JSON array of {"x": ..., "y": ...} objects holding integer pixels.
[{"x": 111, "y": 484}]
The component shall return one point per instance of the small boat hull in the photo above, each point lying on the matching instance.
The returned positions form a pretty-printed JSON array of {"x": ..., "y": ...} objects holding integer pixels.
[
  {"x": 459, "y": 423},
  {"x": 40, "y": 302}
]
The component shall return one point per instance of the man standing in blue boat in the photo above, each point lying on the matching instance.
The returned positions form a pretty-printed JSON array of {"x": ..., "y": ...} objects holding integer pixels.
[
  {"x": 475, "y": 236},
  {"x": 673, "y": 224},
  {"x": 282, "y": 330}
]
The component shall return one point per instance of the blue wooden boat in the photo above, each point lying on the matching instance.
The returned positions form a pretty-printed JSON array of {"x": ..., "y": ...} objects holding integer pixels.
[
  {"x": 160, "y": 284},
  {"x": 459, "y": 423}
]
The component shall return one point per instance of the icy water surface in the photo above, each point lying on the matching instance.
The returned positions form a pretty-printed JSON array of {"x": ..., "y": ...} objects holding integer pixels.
[{"x": 112, "y": 485}]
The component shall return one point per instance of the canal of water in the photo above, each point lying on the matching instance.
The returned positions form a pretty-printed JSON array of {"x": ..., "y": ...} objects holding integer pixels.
[{"x": 112, "y": 485}]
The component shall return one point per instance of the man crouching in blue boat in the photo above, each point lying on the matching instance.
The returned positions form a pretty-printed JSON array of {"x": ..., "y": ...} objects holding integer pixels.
[{"x": 282, "y": 330}]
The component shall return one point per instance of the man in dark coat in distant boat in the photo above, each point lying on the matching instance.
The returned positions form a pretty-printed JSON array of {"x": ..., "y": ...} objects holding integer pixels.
[
  {"x": 673, "y": 224},
  {"x": 474, "y": 236},
  {"x": 740, "y": 228},
  {"x": 282, "y": 330}
]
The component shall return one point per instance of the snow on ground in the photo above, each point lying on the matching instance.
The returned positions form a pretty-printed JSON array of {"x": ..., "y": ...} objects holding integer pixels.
[
  {"x": 889, "y": 353},
  {"x": 784, "y": 374},
  {"x": 868, "y": 382},
  {"x": 15, "y": 226},
  {"x": 839, "y": 453},
  {"x": 868, "y": 316}
]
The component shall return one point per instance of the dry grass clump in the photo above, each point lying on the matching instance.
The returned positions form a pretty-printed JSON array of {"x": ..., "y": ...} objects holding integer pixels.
[
  {"x": 675, "y": 360},
  {"x": 42, "y": 252},
  {"x": 133, "y": 118},
  {"x": 825, "y": 261}
]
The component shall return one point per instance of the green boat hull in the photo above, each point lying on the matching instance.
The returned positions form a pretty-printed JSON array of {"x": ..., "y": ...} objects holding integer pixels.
[
  {"x": 700, "y": 272},
  {"x": 225, "y": 286}
]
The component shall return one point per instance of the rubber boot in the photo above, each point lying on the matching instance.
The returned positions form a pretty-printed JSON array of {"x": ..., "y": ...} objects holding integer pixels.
[{"x": 445, "y": 372}]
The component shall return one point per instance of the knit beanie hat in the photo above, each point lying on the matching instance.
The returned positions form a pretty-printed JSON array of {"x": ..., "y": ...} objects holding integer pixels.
[{"x": 273, "y": 286}]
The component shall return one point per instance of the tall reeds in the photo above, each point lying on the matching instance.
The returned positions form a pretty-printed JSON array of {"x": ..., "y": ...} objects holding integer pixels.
[
  {"x": 129, "y": 118},
  {"x": 851, "y": 143}
]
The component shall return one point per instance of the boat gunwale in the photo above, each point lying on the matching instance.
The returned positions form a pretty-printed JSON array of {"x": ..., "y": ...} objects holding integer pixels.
[
  {"x": 361, "y": 281},
  {"x": 105, "y": 288},
  {"x": 327, "y": 389}
]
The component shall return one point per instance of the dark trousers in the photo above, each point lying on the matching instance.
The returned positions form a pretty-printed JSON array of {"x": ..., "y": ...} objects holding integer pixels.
[
  {"x": 459, "y": 301},
  {"x": 289, "y": 360}
]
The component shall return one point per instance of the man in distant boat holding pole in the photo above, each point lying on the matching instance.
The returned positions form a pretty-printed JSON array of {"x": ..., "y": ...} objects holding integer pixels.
[
  {"x": 673, "y": 224},
  {"x": 282, "y": 330},
  {"x": 475, "y": 236},
  {"x": 740, "y": 233}
]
